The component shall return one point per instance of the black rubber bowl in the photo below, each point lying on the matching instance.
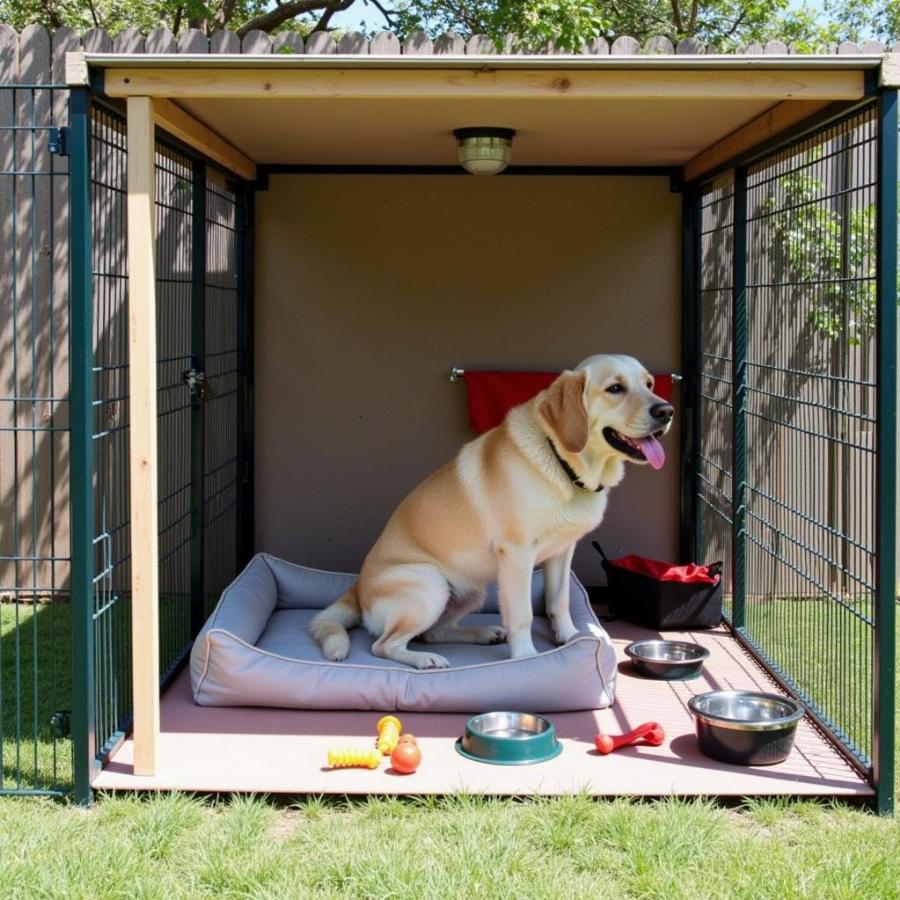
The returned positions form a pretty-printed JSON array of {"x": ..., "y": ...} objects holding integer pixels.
[
  {"x": 667, "y": 659},
  {"x": 746, "y": 728}
]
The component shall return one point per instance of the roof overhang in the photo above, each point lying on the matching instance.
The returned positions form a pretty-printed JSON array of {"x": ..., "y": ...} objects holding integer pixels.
[{"x": 400, "y": 110}]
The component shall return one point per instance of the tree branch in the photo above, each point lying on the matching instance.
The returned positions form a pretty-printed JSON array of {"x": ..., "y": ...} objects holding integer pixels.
[
  {"x": 93, "y": 14},
  {"x": 387, "y": 13},
  {"x": 331, "y": 9},
  {"x": 737, "y": 24},
  {"x": 224, "y": 13},
  {"x": 52, "y": 15},
  {"x": 676, "y": 17},
  {"x": 695, "y": 8},
  {"x": 270, "y": 20}
]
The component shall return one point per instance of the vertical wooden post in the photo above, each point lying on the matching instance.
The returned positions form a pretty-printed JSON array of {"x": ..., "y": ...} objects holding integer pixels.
[{"x": 143, "y": 455}]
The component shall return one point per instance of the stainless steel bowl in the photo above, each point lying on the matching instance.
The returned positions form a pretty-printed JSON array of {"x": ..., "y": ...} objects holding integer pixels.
[
  {"x": 749, "y": 728},
  {"x": 509, "y": 739},
  {"x": 667, "y": 659}
]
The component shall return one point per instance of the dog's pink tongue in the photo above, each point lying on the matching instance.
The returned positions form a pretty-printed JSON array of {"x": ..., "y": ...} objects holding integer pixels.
[{"x": 653, "y": 451}]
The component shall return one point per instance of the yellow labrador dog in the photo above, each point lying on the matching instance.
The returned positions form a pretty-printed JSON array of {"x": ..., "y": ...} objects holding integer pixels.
[{"x": 518, "y": 496}]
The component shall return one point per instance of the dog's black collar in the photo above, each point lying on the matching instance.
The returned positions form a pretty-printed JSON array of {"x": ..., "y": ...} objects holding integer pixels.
[{"x": 573, "y": 477}]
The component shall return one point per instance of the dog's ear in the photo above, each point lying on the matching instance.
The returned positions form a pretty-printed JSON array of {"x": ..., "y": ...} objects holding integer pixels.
[{"x": 564, "y": 410}]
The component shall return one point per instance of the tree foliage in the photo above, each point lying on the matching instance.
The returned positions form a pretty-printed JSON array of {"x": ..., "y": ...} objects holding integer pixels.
[
  {"x": 827, "y": 248},
  {"x": 533, "y": 24}
]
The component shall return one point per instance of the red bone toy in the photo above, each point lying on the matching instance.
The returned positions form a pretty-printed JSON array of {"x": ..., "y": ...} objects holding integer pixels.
[{"x": 650, "y": 733}]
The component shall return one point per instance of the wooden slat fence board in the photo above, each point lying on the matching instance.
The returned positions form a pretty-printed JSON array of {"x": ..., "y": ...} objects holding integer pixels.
[
  {"x": 160, "y": 40},
  {"x": 96, "y": 40},
  {"x": 256, "y": 42},
  {"x": 480, "y": 45},
  {"x": 449, "y": 44},
  {"x": 192, "y": 40},
  {"x": 321, "y": 42},
  {"x": 625, "y": 46},
  {"x": 287, "y": 42},
  {"x": 9, "y": 544},
  {"x": 418, "y": 44},
  {"x": 34, "y": 234},
  {"x": 129, "y": 40},
  {"x": 382, "y": 44},
  {"x": 224, "y": 42},
  {"x": 353, "y": 42},
  {"x": 659, "y": 46}
]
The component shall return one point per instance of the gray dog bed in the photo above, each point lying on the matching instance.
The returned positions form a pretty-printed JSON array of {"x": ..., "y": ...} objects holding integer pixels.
[{"x": 255, "y": 650}]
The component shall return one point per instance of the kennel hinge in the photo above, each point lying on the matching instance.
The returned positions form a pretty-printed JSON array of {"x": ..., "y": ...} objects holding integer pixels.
[
  {"x": 197, "y": 384},
  {"x": 57, "y": 143}
]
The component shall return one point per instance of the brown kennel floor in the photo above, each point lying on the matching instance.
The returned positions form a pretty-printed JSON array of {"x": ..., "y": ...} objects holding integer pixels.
[{"x": 284, "y": 751}]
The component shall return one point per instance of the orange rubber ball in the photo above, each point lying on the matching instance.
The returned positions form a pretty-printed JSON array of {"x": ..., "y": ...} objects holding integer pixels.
[{"x": 406, "y": 757}]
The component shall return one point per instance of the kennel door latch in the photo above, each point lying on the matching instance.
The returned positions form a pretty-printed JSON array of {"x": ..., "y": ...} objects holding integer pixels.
[{"x": 197, "y": 385}]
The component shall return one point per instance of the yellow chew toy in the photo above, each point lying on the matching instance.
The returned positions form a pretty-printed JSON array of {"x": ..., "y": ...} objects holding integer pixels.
[
  {"x": 388, "y": 729},
  {"x": 354, "y": 759}
]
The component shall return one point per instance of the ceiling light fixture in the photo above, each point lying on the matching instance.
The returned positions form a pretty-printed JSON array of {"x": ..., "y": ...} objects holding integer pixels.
[{"x": 484, "y": 150}]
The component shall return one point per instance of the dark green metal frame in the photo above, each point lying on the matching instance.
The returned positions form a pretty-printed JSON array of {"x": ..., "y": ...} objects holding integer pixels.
[
  {"x": 84, "y": 720},
  {"x": 884, "y": 663},
  {"x": 82, "y": 442},
  {"x": 881, "y": 772},
  {"x": 83, "y": 402},
  {"x": 739, "y": 396},
  {"x": 198, "y": 363}
]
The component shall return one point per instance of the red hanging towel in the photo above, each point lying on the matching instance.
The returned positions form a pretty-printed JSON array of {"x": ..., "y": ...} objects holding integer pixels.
[
  {"x": 663, "y": 571},
  {"x": 492, "y": 395}
]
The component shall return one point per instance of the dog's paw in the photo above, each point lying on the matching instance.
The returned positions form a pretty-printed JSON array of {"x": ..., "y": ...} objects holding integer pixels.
[
  {"x": 491, "y": 634},
  {"x": 336, "y": 647},
  {"x": 564, "y": 635},
  {"x": 431, "y": 661},
  {"x": 522, "y": 650}
]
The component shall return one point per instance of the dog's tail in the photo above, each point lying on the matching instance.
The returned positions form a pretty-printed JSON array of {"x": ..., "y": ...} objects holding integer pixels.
[{"x": 329, "y": 627}]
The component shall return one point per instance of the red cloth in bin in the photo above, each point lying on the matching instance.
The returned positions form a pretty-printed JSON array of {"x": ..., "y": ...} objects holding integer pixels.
[
  {"x": 663, "y": 571},
  {"x": 492, "y": 395}
]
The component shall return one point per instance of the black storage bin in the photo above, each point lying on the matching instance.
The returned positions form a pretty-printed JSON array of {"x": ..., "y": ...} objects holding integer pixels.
[{"x": 640, "y": 591}]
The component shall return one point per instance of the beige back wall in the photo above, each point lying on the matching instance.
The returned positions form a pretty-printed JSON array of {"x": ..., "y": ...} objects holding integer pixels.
[{"x": 370, "y": 288}]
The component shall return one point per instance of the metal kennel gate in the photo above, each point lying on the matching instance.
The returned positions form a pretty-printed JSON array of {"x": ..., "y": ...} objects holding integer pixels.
[
  {"x": 202, "y": 338},
  {"x": 65, "y": 653},
  {"x": 794, "y": 327}
]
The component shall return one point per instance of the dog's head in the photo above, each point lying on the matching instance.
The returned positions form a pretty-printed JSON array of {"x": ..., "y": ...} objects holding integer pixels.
[{"x": 607, "y": 404}]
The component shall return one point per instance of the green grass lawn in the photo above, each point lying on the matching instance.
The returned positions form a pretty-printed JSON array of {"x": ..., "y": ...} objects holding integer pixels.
[
  {"x": 182, "y": 846},
  {"x": 35, "y": 681},
  {"x": 176, "y": 846}
]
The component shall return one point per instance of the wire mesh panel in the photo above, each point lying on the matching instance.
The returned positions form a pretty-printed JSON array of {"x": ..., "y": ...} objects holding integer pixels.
[
  {"x": 35, "y": 641},
  {"x": 174, "y": 280},
  {"x": 112, "y": 614},
  {"x": 810, "y": 388},
  {"x": 112, "y": 568},
  {"x": 714, "y": 374},
  {"x": 225, "y": 364}
]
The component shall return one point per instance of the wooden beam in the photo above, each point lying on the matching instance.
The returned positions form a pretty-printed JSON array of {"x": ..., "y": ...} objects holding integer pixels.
[
  {"x": 505, "y": 84},
  {"x": 889, "y": 74},
  {"x": 762, "y": 128},
  {"x": 194, "y": 133},
  {"x": 143, "y": 451},
  {"x": 76, "y": 69}
]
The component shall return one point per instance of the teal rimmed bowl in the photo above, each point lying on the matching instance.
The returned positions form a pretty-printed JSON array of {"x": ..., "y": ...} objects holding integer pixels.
[{"x": 509, "y": 739}]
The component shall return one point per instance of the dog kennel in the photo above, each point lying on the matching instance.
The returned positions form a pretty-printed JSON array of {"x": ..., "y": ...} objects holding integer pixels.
[{"x": 263, "y": 364}]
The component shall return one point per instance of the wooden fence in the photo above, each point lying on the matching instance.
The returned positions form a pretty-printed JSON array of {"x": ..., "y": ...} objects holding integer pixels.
[{"x": 34, "y": 484}]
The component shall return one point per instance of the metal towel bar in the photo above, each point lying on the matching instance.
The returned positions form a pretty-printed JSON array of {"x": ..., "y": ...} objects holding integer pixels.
[{"x": 456, "y": 373}]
